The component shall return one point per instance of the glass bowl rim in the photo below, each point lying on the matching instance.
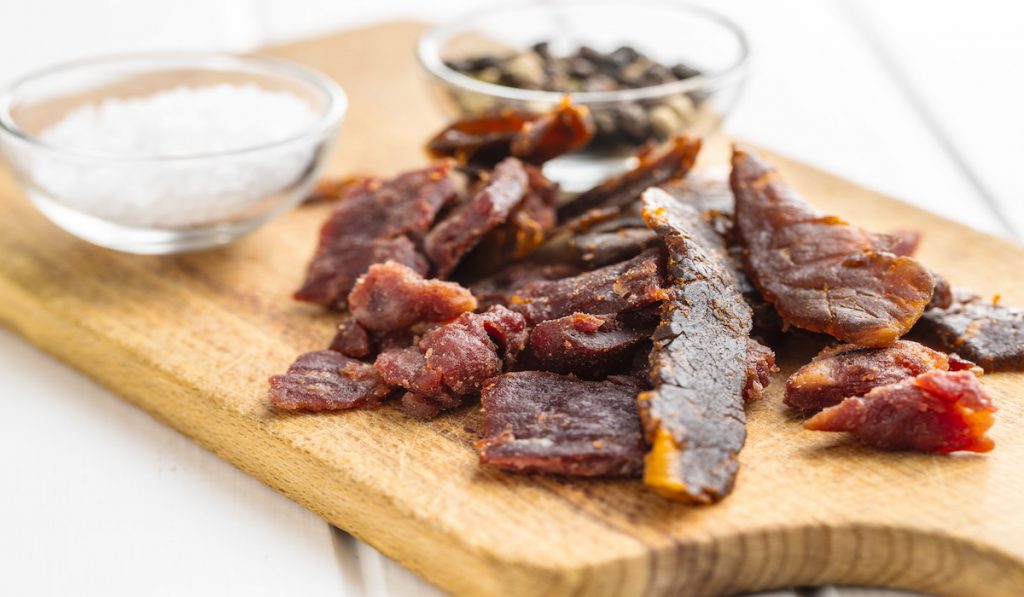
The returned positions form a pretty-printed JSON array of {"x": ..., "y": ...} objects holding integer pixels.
[
  {"x": 337, "y": 100},
  {"x": 428, "y": 51}
]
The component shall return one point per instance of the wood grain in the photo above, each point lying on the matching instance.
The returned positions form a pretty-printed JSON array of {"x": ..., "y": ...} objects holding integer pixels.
[{"x": 193, "y": 338}]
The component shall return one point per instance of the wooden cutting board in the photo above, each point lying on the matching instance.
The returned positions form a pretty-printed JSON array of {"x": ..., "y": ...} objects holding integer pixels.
[{"x": 192, "y": 339}]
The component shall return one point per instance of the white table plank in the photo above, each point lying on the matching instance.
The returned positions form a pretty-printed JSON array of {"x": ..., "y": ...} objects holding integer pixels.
[{"x": 101, "y": 499}]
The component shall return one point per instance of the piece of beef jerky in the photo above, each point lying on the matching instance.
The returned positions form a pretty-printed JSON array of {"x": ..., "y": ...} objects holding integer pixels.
[
  {"x": 596, "y": 249},
  {"x": 942, "y": 296},
  {"x": 984, "y": 331},
  {"x": 902, "y": 243},
  {"x": 626, "y": 286},
  {"x": 760, "y": 369},
  {"x": 937, "y": 411},
  {"x": 849, "y": 370},
  {"x": 590, "y": 346},
  {"x": 352, "y": 339},
  {"x": 426, "y": 407},
  {"x": 327, "y": 380},
  {"x": 332, "y": 189},
  {"x": 821, "y": 273},
  {"x": 694, "y": 417},
  {"x": 523, "y": 231},
  {"x": 499, "y": 288},
  {"x": 545, "y": 422},
  {"x": 461, "y": 230},
  {"x": 564, "y": 129},
  {"x": 453, "y": 360},
  {"x": 390, "y": 296},
  {"x": 711, "y": 196},
  {"x": 483, "y": 140},
  {"x": 652, "y": 170},
  {"x": 370, "y": 225}
]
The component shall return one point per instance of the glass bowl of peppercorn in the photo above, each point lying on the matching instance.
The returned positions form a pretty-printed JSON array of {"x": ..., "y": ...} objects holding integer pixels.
[{"x": 646, "y": 71}]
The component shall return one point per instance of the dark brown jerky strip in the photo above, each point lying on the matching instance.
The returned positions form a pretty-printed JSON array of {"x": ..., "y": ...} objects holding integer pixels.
[
  {"x": 371, "y": 224},
  {"x": 499, "y": 288},
  {"x": 590, "y": 346},
  {"x": 391, "y": 297},
  {"x": 983, "y": 331},
  {"x": 544, "y": 422},
  {"x": 462, "y": 229},
  {"x": 674, "y": 162},
  {"x": 627, "y": 286},
  {"x": 694, "y": 417},
  {"x": 849, "y": 370},
  {"x": 327, "y": 380},
  {"x": 821, "y": 273}
]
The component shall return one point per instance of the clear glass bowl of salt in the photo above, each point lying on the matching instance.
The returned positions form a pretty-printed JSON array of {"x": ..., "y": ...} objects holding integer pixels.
[{"x": 165, "y": 153}]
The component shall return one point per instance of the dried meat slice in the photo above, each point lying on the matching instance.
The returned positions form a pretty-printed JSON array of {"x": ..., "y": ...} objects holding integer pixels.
[
  {"x": 760, "y": 369},
  {"x": 327, "y": 380},
  {"x": 849, "y": 370},
  {"x": 694, "y": 417},
  {"x": 821, "y": 273},
  {"x": 391, "y": 296},
  {"x": 984, "y": 331},
  {"x": 937, "y": 411},
  {"x": 628, "y": 286},
  {"x": 589, "y": 346},
  {"x": 482, "y": 140},
  {"x": 566, "y": 128},
  {"x": 499, "y": 288},
  {"x": 545, "y": 422},
  {"x": 351, "y": 339},
  {"x": 652, "y": 170},
  {"x": 461, "y": 230},
  {"x": 371, "y": 224}
]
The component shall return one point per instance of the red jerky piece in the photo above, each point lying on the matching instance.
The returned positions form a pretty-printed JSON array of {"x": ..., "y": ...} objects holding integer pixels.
[
  {"x": 590, "y": 346},
  {"x": 562, "y": 130},
  {"x": 426, "y": 407},
  {"x": 544, "y": 422},
  {"x": 454, "y": 359},
  {"x": 627, "y": 286},
  {"x": 461, "y": 230},
  {"x": 652, "y": 170},
  {"x": 937, "y": 411},
  {"x": 849, "y": 370},
  {"x": 821, "y": 273},
  {"x": 391, "y": 296},
  {"x": 990, "y": 334},
  {"x": 352, "y": 339},
  {"x": 482, "y": 140},
  {"x": 327, "y": 380},
  {"x": 370, "y": 225}
]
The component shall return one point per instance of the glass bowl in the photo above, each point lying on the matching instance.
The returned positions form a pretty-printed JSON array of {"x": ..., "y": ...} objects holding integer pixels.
[
  {"x": 167, "y": 201},
  {"x": 668, "y": 32}
]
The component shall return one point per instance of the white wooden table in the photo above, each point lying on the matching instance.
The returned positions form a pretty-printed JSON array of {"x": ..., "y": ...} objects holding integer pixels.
[{"x": 919, "y": 100}]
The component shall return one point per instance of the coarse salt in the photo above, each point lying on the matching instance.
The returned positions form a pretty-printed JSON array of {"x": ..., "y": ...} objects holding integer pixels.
[{"x": 178, "y": 123}]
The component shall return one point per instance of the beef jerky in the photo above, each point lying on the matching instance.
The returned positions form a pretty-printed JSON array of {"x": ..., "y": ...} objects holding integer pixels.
[
  {"x": 942, "y": 296},
  {"x": 544, "y": 422},
  {"x": 522, "y": 233},
  {"x": 694, "y": 417},
  {"x": 453, "y": 360},
  {"x": 821, "y": 273},
  {"x": 352, "y": 339},
  {"x": 596, "y": 249},
  {"x": 484, "y": 140},
  {"x": 370, "y": 225},
  {"x": 760, "y": 369},
  {"x": 426, "y": 407},
  {"x": 937, "y": 411},
  {"x": 849, "y": 370},
  {"x": 984, "y": 331},
  {"x": 391, "y": 296},
  {"x": 902, "y": 243},
  {"x": 590, "y": 346},
  {"x": 711, "y": 196},
  {"x": 499, "y": 288},
  {"x": 327, "y": 380},
  {"x": 564, "y": 129},
  {"x": 462, "y": 229},
  {"x": 626, "y": 286},
  {"x": 652, "y": 170},
  {"x": 333, "y": 189}
]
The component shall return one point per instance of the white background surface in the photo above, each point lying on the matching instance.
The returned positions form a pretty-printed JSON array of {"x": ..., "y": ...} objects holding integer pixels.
[{"x": 921, "y": 100}]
